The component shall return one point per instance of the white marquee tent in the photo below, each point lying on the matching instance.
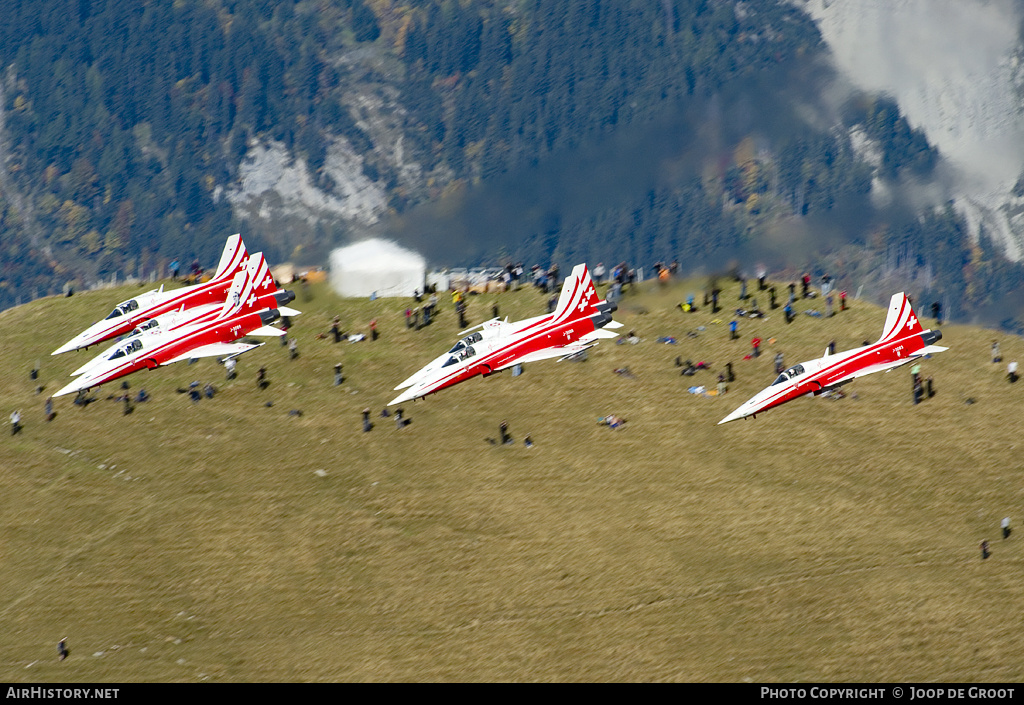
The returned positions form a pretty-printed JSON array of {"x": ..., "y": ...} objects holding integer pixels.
[{"x": 377, "y": 267}]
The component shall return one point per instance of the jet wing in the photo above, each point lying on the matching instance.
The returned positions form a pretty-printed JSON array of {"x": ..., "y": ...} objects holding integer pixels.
[
  {"x": 549, "y": 353},
  {"x": 871, "y": 369},
  {"x": 215, "y": 350},
  {"x": 267, "y": 331},
  {"x": 886, "y": 366}
]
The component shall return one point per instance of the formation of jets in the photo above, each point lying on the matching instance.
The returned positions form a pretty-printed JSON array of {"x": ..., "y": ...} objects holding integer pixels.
[
  {"x": 241, "y": 299},
  {"x": 164, "y": 327},
  {"x": 578, "y": 322},
  {"x": 903, "y": 340}
]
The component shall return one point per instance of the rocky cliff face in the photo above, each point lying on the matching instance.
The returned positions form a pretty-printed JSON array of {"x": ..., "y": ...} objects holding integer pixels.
[
  {"x": 956, "y": 68},
  {"x": 281, "y": 196}
]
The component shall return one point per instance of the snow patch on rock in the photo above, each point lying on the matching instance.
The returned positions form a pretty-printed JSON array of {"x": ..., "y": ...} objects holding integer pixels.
[
  {"x": 269, "y": 170},
  {"x": 956, "y": 68}
]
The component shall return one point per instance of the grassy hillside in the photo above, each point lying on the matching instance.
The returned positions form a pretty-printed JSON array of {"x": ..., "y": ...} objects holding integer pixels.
[{"x": 829, "y": 540}]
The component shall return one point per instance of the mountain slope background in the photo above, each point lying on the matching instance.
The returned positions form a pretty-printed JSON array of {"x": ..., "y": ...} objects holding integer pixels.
[
  {"x": 829, "y": 540},
  {"x": 712, "y": 132}
]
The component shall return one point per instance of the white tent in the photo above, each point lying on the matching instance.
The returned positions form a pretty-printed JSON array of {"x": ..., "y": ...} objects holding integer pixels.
[{"x": 377, "y": 267}]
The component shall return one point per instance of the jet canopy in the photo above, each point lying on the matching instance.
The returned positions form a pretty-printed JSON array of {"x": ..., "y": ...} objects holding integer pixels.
[
  {"x": 123, "y": 308},
  {"x": 467, "y": 341},
  {"x": 459, "y": 357},
  {"x": 126, "y": 349},
  {"x": 794, "y": 371},
  {"x": 142, "y": 327}
]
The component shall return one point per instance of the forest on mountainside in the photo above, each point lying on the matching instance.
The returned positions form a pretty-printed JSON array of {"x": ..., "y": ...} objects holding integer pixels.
[{"x": 125, "y": 123}]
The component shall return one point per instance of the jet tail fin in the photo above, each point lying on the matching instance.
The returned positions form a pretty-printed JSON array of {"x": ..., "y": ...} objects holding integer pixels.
[
  {"x": 248, "y": 285},
  {"x": 901, "y": 319},
  {"x": 578, "y": 295},
  {"x": 232, "y": 257}
]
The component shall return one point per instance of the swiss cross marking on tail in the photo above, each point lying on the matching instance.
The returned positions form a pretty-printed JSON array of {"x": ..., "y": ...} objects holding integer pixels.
[
  {"x": 911, "y": 322},
  {"x": 586, "y": 298}
]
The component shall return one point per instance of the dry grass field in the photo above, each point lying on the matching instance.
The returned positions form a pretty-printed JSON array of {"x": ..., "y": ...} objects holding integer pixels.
[{"x": 829, "y": 540}]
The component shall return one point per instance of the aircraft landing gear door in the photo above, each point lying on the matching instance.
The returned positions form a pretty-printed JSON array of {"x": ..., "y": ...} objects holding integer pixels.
[{"x": 151, "y": 363}]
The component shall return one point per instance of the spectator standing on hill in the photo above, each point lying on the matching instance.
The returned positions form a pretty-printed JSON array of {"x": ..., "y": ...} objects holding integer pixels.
[
  {"x": 336, "y": 329},
  {"x": 506, "y": 437},
  {"x": 842, "y": 300},
  {"x": 937, "y": 313},
  {"x": 62, "y": 645},
  {"x": 721, "y": 384},
  {"x": 773, "y": 304},
  {"x": 293, "y": 349},
  {"x": 15, "y": 422},
  {"x": 1011, "y": 372},
  {"x": 779, "y": 367},
  {"x": 229, "y": 367},
  {"x": 733, "y": 330},
  {"x": 985, "y": 553},
  {"x": 806, "y": 281},
  {"x": 755, "y": 345},
  {"x": 788, "y": 311},
  {"x": 1006, "y": 528},
  {"x": 338, "y": 377},
  {"x": 729, "y": 376},
  {"x": 996, "y": 357},
  {"x": 599, "y": 273},
  {"x": 367, "y": 426},
  {"x": 373, "y": 329},
  {"x": 49, "y": 409}
]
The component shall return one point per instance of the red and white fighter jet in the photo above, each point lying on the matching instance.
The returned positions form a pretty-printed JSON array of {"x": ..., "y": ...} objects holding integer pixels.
[
  {"x": 244, "y": 287},
  {"x": 244, "y": 312},
  {"x": 128, "y": 314},
  {"x": 578, "y": 322},
  {"x": 903, "y": 340}
]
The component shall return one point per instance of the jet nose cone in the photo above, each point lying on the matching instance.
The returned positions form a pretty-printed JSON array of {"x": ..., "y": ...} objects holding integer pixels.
[
  {"x": 404, "y": 396},
  {"x": 731, "y": 417},
  {"x": 66, "y": 347},
  {"x": 71, "y": 388}
]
